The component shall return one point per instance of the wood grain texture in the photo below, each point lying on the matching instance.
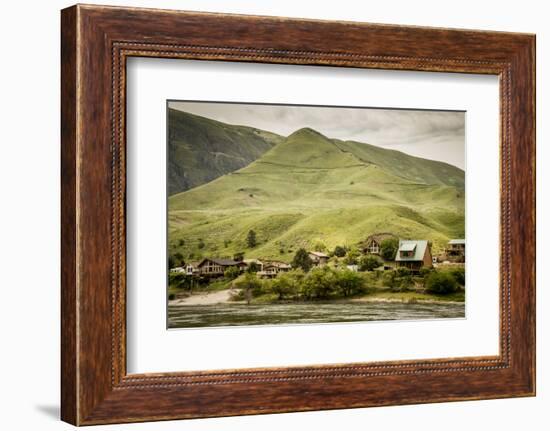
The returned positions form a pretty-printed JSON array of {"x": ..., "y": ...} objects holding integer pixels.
[{"x": 96, "y": 41}]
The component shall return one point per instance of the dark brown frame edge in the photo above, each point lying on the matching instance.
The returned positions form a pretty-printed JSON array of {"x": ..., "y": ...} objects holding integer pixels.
[{"x": 95, "y": 43}]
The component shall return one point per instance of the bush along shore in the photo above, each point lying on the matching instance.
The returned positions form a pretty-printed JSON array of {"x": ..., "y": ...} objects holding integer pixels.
[{"x": 322, "y": 284}]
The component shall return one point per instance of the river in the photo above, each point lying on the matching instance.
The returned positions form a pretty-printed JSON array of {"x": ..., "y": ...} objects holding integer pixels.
[{"x": 200, "y": 316}]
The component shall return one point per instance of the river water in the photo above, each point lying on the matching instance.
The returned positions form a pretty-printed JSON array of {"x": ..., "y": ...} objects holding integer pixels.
[{"x": 197, "y": 316}]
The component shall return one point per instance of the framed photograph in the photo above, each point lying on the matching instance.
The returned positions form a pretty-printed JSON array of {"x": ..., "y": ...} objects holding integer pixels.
[
  {"x": 267, "y": 215},
  {"x": 271, "y": 221}
]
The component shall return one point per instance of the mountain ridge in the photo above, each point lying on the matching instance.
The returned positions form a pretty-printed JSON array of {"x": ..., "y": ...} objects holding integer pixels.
[{"x": 201, "y": 149}]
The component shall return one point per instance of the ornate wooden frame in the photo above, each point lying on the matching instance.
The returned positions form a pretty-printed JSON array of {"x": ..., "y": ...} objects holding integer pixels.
[{"x": 95, "y": 43}]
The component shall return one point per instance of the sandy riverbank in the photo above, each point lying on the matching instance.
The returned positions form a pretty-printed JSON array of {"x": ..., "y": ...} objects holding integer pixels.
[{"x": 206, "y": 298}]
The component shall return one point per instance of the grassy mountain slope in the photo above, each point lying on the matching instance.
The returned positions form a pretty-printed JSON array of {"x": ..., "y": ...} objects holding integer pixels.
[
  {"x": 309, "y": 189},
  {"x": 201, "y": 149}
]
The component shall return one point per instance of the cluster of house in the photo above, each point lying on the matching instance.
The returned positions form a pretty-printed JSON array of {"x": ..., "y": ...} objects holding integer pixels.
[
  {"x": 411, "y": 254},
  {"x": 416, "y": 254},
  {"x": 216, "y": 267}
]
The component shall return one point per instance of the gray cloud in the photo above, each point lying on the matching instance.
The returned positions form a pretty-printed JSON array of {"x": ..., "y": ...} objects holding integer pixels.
[{"x": 436, "y": 135}]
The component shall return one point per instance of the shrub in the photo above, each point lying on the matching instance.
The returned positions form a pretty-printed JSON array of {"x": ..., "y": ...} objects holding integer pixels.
[
  {"x": 339, "y": 251},
  {"x": 459, "y": 275},
  {"x": 388, "y": 248},
  {"x": 171, "y": 297},
  {"x": 201, "y": 244},
  {"x": 352, "y": 256},
  {"x": 403, "y": 272},
  {"x": 369, "y": 263},
  {"x": 441, "y": 282},
  {"x": 424, "y": 271},
  {"x": 406, "y": 283},
  {"x": 391, "y": 279}
]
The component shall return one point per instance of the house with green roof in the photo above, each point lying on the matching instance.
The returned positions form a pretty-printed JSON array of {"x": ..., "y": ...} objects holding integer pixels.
[{"x": 414, "y": 254}]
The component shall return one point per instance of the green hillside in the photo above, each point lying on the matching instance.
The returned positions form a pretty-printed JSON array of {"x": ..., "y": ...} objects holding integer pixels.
[
  {"x": 201, "y": 149},
  {"x": 309, "y": 189}
]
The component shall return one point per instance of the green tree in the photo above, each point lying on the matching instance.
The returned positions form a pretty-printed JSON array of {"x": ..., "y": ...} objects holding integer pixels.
[
  {"x": 352, "y": 256},
  {"x": 302, "y": 260},
  {"x": 175, "y": 260},
  {"x": 369, "y": 263},
  {"x": 250, "y": 285},
  {"x": 201, "y": 244},
  {"x": 231, "y": 273},
  {"x": 403, "y": 272},
  {"x": 441, "y": 282},
  {"x": 284, "y": 285},
  {"x": 319, "y": 283},
  {"x": 348, "y": 283},
  {"x": 388, "y": 248},
  {"x": 253, "y": 268},
  {"x": 251, "y": 239},
  {"x": 339, "y": 251}
]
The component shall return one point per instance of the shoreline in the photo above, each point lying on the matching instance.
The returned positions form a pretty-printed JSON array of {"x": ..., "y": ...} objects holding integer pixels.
[{"x": 224, "y": 296}]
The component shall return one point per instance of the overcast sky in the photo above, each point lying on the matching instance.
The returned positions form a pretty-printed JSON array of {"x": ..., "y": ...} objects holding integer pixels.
[{"x": 436, "y": 135}]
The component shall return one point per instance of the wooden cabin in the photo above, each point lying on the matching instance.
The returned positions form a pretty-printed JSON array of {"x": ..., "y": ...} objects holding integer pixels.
[
  {"x": 318, "y": 258},
  {"x": 373, "y": 242},
  {"x": 414, "y": 254},
  {"x": 213, "y": 267},
  {"x": 456, "y": 250},
  {"x": 271, "y": 269},
  {"x": 192, "y": 268}
]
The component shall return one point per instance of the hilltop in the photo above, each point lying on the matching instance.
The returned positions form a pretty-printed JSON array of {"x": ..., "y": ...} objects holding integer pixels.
[{"x": 309, "y": 189}]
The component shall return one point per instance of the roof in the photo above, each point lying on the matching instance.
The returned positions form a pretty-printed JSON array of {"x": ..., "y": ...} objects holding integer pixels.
[
  {"x": 409, "y": 246},
  {"x": 222, "y": 262},
  {"x": 418, "y": 246},
  {"x": 318, "y": 254},
  {"x": 457, "y": 241}
]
